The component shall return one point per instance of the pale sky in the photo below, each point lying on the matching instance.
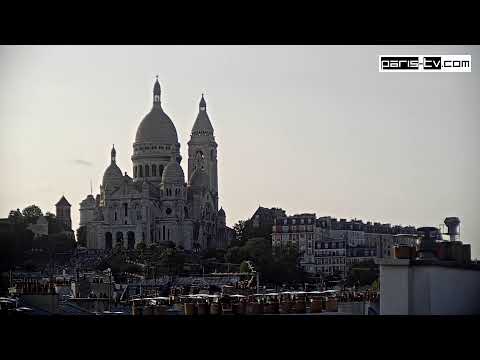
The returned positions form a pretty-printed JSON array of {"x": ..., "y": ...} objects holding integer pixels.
[{"x": 305, "y": 128}]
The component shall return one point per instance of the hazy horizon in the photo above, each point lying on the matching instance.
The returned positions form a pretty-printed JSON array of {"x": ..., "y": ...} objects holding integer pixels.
[{"x": 305, "y": 128}]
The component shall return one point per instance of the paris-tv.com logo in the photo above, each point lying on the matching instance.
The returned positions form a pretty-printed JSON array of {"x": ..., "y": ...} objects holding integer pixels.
[{"x": 425, "y": 63}]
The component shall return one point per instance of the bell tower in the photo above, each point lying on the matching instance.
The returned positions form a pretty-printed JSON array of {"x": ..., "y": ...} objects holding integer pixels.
[
  {"x": 63, "y": 212},
  {"x": 202, "y": 149}
]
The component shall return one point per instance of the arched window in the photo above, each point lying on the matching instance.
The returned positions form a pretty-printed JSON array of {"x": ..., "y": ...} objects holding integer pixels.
[
  {"x": 160, "y": 170},
  {"x": 140, "y": 171},
  {"x": 131, "y": 240},
  {"x": 134, "y": 171},
  {"x": 185, "y": 209},
  {"x": 147, "y": 171},
  {"x": 154, "y": 170},
  {"x": 119, "y": 237},
  {"x": 108, "y": 240}
]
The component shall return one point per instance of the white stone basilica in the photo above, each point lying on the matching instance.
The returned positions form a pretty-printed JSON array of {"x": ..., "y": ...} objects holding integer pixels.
[{"x": 158, "y": 205}]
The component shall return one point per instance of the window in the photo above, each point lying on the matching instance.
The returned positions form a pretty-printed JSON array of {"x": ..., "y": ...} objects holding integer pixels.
[
  {"x": 154, "y": 170},
  {"x": 134, "y": 171},
  {"x": 140, "y": 171},
  {"x": 125, "y": 206},
  {"x": 115, "y": 216},
  {"x": 147, "y": 168}
]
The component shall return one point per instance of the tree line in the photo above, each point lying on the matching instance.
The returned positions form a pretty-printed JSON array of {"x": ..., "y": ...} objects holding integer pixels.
[{"x": 19, "y": 247}]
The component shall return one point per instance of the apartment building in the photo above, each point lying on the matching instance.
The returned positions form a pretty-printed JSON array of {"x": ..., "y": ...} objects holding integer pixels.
[{"x": 331, "y": 246}]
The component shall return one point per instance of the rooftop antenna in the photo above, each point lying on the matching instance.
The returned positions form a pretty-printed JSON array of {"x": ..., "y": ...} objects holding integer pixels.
[{"x": 91, "y": 189}]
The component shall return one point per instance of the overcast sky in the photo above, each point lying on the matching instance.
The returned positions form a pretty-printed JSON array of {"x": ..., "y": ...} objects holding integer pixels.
[{"x": 305, "y": 128}]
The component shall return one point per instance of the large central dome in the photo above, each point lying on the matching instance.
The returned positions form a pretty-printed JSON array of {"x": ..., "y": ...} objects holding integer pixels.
[{"x": 156, "y": 126}]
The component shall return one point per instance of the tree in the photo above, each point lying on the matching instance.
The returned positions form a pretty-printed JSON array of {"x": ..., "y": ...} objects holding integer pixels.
[
  {"x": 31, "y": 213},
  {"x": 61, "y": 242},
  {"x": 82, "y": 236},
  {"x": 15, "y": 217},
  {"x": 362, "y": 274},
  {"x": 244, "y": 268},
  {"x": 235, "y": 255},
  {"x": 171, "y": 260},
  {"x": 239, "y": 229}
]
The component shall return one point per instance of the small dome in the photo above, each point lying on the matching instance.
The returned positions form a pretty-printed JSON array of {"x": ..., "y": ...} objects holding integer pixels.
[
  {"x": 113, "y": 175},
  {"x": 173, "y": 173},
  {"x": 200, "y": 178},
  {"x": 157, "y": 127}
]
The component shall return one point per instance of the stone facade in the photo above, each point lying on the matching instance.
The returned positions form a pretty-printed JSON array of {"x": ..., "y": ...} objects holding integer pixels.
[
  {"x": 158, "y": 204},
  {"x": 330, "y": 246}
]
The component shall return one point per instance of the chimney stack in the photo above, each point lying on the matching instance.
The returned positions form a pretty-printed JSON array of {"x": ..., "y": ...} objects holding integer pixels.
[{"x": 452, "y": 224}]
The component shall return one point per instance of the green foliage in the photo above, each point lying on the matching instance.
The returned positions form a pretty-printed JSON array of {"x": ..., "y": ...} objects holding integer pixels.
[
  {"x": 218, "y": 255},
  {"x": 15, "y": 217},
  {"x": 82, "y": 236},
  {"x": 31, "y": 213},
  {"x": 285, "y": 267},
  {"x": 240, "y": 234},
  {"x": 61, "y": 242},
  {"x": 141, "y": 246},
  {"x": 167, "y": 260},
  {"x": 15, "y": 240},
  {"x": 235, "y": 255},
  {"x": 362, "y": 274},
  {"x": 282, "y": 266},
  {"x": 244, "y": 268}
]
